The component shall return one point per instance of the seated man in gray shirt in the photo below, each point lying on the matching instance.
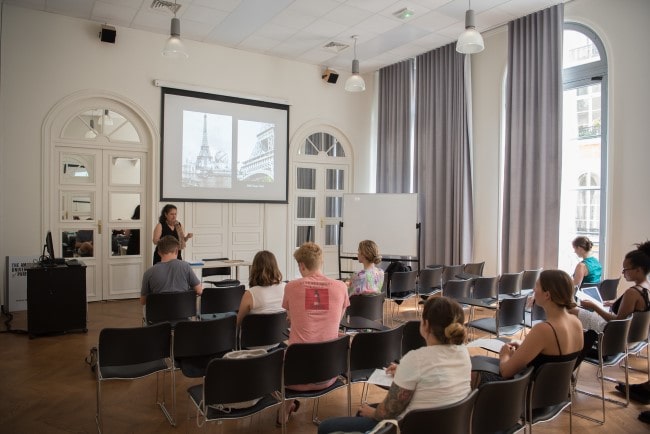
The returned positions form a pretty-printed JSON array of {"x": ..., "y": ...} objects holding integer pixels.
[{"x": 170, "y": 274}]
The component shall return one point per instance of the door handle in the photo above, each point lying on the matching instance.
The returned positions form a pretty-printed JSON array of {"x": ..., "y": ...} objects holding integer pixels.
[{"x": 99, "y": 227}]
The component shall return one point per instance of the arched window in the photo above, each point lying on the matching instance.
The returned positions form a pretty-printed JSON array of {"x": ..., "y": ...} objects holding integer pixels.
[{"x": 584, "y": 141}]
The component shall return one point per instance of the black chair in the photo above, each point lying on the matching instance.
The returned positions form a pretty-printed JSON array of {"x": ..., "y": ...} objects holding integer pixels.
[
  {"x": 510, "y": 283},
  {"x": 608, "y": 289},
  {"x": 528, "y": 280},
  {"x": 370, "y": 306},
  {"x": 484, "y": 289},
  {"x": 450, "y": 419},
  {"x": 307, "y": 363},
  {"x": 219, "y": 302},
  {"x": 429, "y": 282},
  {"x": 411, "y": 337},
  {"x": 457, "y": 289},
  {"x": 474, "y": 268},
  {"x": 508, "y": 320},
  {"x": 638, "y": 337},
  {"x": 132, "y": 353},
  {"x": 401, "y": 287},
  {"x": 198, "y": 342},
  {"x": 263, "y": 330},
  {"x": 373, "y": 350},
  {"x": 450, "y": 272},
  {"x": 238, "y": 380},
  {"x": 499, "y": 406},
  {"x": 214, "y": 271},
  {"x": 170, "y": 306},
  {"x": 550, "y": 392},
  {"x": 534, "y": 315},
  {"x": 611, "y": 350}
]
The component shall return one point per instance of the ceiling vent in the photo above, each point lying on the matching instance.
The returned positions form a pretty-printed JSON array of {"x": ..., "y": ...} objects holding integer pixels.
[
  {"x": 335, "y": 47},
  {"x": 162, "y": 4}
]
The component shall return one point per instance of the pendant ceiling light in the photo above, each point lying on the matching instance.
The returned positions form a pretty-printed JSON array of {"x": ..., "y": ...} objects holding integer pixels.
[
  {"x": 470, "y": 41},
  {"x": 355, "y": 83},
  {"x": 174, "y": 47}
]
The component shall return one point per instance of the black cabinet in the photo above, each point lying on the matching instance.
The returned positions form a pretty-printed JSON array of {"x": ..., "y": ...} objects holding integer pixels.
[{"x": 56, "y": 299}]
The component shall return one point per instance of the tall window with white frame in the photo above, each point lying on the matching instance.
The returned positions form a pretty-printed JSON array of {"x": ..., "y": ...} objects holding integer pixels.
[{"x": 584, "y": 142}]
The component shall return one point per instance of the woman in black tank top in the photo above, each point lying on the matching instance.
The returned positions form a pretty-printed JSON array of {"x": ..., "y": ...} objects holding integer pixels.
[{"x": 559, "y": 338}]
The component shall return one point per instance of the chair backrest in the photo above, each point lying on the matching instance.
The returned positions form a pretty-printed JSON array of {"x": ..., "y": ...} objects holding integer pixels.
[
  {"x": 215, "y": 271},
  {"x": 130, "y": 346},
  {"x": 613, "y": 340},
  {"x": 639, "y": 327},
  {"x": 204, "y": 338},
  {"x": 402, "y": 281},
  {"x": 550, "y": 385},
  {"x": 510, "y": 283},
  {"x": 376, "y": 349},
  {"x": 238, "y": 380},
  {"x": 219, "y": 300},
  {"x": 449, "y": 272},
  {"x": 261, "y": 329},
  {"x": 485, "y": 287},
  {"x": 537, "y": 313},
  {"x": 529, "y": 278},
  {"x": 316, "y": 362},
  {"x": 500, "y": 404},
  {"x": 608, "y": 288},
  {"x": 449, "y": 419},
  {"x": 170, "y": 306},
  {"x": 430, "y": 279},
  {"x": 457, "y": 289},
  {"x": 370, "y": 306},
  {"x": 411, "y": 337},
  {"x": 475, "y": 268},
  {"x": 511, "y": 311}
]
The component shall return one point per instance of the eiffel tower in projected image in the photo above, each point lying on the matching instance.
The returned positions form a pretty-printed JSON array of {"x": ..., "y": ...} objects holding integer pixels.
[{"x": 209, "y": 170}]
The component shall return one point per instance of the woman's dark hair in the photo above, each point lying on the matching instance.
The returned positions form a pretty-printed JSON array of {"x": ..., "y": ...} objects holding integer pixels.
[
  {"x": 163, "y": 214},
  {"x": 264, "y": 270},
  {"x": 640, "y": 257},
  {"x": 583, "y": 242},
  {"x": 136, "y": 213},
  {"x": 445, "y": 318},
  {"x": 559, "y": 285}
]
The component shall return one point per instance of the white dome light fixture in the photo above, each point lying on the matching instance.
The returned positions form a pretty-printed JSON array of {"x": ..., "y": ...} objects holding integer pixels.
[
  {"x": 174, "y": 47},
  {"x": 355, "y": 83},
  {"x": 470, "y": 41}
]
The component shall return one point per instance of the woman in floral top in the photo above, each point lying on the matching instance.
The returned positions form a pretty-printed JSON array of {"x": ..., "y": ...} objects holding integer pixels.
[{"x": 371, "y": 278}]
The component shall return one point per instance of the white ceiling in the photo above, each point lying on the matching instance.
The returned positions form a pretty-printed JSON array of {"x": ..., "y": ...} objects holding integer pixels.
[{"x": 299, "y": 29}]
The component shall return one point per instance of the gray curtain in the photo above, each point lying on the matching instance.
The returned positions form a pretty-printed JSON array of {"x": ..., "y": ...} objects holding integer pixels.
[
  {"x": 533, "y": 138},
  {"x": 394, "y": 172},
  {"x": 442, "y": 143}
]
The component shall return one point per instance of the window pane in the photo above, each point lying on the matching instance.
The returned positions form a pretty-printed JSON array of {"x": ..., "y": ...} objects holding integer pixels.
[
  {"x": 123, "y": 205},
  {"x": 331, "y": 235},
  {"x": 304, "y": 234},
  {"x": 578, "y": 49},
  {"x": 77, "y": 205},
  {"x": 335, "y": 179},
  {"x": 125, "y": 241},
  {"x": 125, "y": 170},
  {"x": 77, "y": 243},
  {"x": 306, "y": 208},
  {"x": 333, "y": 206},
  {"x": 306, "y": 178},
  {"x": 77, "y": 169}
]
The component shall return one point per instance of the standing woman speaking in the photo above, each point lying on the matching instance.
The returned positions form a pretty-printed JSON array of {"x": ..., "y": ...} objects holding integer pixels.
[{"x": 168, "y": 225}]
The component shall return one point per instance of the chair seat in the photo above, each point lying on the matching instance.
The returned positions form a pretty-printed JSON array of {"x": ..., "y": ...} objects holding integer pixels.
[
  {"x": 194, "y": 367},
  {"x": 489, "y": 325},
  {"x": 636, "y": 347},
  {"x": 607, "y": 360},
  {"x": 361, "y": 375},
  {"x": 196, "y": 395},
  {"x": 547, "y": 413},
  {"x": 133, "y": 371},
  {"x": 291, "y": 394}
]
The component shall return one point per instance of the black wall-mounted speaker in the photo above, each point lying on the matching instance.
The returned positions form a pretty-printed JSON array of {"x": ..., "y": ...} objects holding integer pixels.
[
  {"x": 107, "y": 34},
  {"x": 330, "y": 76}
]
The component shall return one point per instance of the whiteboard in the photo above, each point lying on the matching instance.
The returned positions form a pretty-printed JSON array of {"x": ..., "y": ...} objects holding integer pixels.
[{"x": 390, "y": 220}]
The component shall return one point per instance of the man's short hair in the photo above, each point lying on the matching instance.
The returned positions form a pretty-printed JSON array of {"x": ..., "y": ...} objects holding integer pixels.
[
  {"x": 310, "y": 255},
  {"x": 168, "y": 244}
]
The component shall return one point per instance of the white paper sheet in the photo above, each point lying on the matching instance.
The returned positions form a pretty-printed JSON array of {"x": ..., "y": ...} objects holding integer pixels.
[
  {"x": 493, "y": 345},
  {"x": 380, "y": 378}
]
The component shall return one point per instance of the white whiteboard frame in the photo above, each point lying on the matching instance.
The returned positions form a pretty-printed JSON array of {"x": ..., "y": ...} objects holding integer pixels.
[{"x": 389, "y": 219}]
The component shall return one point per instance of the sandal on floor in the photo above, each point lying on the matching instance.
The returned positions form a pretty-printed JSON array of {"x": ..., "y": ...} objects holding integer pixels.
[
  {"x": 644, "y": 416},
  {"x": 638, "y": 392},
  {"x": 295, "y": 405}
]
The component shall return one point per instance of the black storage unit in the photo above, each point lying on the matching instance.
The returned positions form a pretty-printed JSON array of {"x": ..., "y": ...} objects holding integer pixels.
[{"x": 56, "y": 299}]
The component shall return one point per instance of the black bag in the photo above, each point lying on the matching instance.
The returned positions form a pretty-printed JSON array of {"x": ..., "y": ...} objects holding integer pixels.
[{"x": 392, "y": 268}]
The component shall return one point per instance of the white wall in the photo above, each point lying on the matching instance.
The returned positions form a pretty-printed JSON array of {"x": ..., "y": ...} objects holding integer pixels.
[
  {"x": 622, "y": 25},
  {"x": 46, "y": 57}
]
